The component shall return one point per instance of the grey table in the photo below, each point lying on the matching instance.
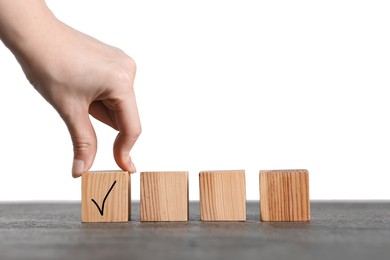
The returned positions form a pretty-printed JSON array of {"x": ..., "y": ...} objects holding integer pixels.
[{"x": 338, "y": 230}]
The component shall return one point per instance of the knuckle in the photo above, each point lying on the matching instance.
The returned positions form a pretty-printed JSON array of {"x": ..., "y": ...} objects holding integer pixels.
[
  {"x": 132, "y": 66},
  {"x": 127, "y": 61},
  {"x": 121, "y": 72},
  {"x": 83, "y": 144},
  {"x": 137, "y": 131},
  {"x": 134, "y": 134},
  {"x": 121, "y": 78}
]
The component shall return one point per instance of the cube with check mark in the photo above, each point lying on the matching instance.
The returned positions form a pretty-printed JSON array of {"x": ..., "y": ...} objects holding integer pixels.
[{"x": 105, "y": 196}]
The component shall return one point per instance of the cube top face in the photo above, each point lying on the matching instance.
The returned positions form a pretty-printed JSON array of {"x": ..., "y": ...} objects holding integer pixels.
[
  {"x": 222, "y": 195},
  {"x": 164, "y": 196},
  {"x": 284, "y": 195},
  {"x": 105, "y": 196}
]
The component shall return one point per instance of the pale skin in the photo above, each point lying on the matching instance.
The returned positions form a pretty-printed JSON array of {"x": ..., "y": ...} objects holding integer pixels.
[{"x": 78, "y": 75}]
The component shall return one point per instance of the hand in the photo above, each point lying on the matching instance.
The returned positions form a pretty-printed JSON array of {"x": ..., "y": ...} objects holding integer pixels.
[{"x": 79, "y": 75}]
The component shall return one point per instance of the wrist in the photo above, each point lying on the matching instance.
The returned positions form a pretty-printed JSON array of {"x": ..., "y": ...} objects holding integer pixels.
[{"x": 23, "y": 24}]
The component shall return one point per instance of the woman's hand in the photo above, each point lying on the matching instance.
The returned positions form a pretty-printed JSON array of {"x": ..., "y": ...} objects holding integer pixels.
[{"x": 78, "y": 75}]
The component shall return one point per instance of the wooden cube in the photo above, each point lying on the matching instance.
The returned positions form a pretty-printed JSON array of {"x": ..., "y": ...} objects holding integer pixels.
[
  {"x": 164, "y": 196},
  {"x": 284, "y": 195},
  {"x": 222, "y": 195},
  {"x": 105, "y": 196}
]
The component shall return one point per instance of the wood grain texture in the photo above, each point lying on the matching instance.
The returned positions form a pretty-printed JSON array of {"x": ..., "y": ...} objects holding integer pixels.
[
  {"x": 164, "y": 196},
  {"x": 284, "y": 195},
  {"x": 105, "y": 196},
  {"x": 222, "y": 195}
]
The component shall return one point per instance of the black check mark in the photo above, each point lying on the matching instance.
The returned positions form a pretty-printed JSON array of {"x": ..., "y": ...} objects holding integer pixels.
[{"x": 104, "y": 200}]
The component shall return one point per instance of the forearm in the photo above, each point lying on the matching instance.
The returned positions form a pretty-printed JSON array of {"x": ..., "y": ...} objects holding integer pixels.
[{"x": 21, "y": 23}]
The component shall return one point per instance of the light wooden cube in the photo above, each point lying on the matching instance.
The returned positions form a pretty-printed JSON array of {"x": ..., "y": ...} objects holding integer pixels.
[
  {"x": 284, "y": 195},
  {"x": 222, "y": 195},
  {"x": 164, "y": 196},
  {"x": 105, "y": 196}
]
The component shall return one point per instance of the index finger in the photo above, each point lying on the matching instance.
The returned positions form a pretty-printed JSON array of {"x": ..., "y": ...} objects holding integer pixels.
[{"x": 129, "y": 125}]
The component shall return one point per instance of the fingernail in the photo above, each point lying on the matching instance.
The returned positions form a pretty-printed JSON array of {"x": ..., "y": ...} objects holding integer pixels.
[
  {"x": 77, "y": 168},
  {"x": 133, "y": 169}
]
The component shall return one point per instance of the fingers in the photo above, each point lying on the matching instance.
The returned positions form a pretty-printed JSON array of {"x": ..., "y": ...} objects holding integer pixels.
[
  {"x": 83, "y": 138},
  {"x": 127, "y": 119},
  {"x": 124, "y": 117},
  {"x": 100, "y": 111}
]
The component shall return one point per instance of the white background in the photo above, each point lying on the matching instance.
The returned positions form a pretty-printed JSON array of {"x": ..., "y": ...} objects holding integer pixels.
[{"x": 223, "y": 85}]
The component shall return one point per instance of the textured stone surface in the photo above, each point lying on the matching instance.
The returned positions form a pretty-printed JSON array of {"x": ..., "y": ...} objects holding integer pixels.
[{"x": 338, "y": 230}]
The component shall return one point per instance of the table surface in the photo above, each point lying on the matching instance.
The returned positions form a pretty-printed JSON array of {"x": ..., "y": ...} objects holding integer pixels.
[{"x": 338, "y": 230}]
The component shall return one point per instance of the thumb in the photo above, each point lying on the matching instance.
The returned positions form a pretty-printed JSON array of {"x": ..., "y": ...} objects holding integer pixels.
[{"x": 84, "y": 140}]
